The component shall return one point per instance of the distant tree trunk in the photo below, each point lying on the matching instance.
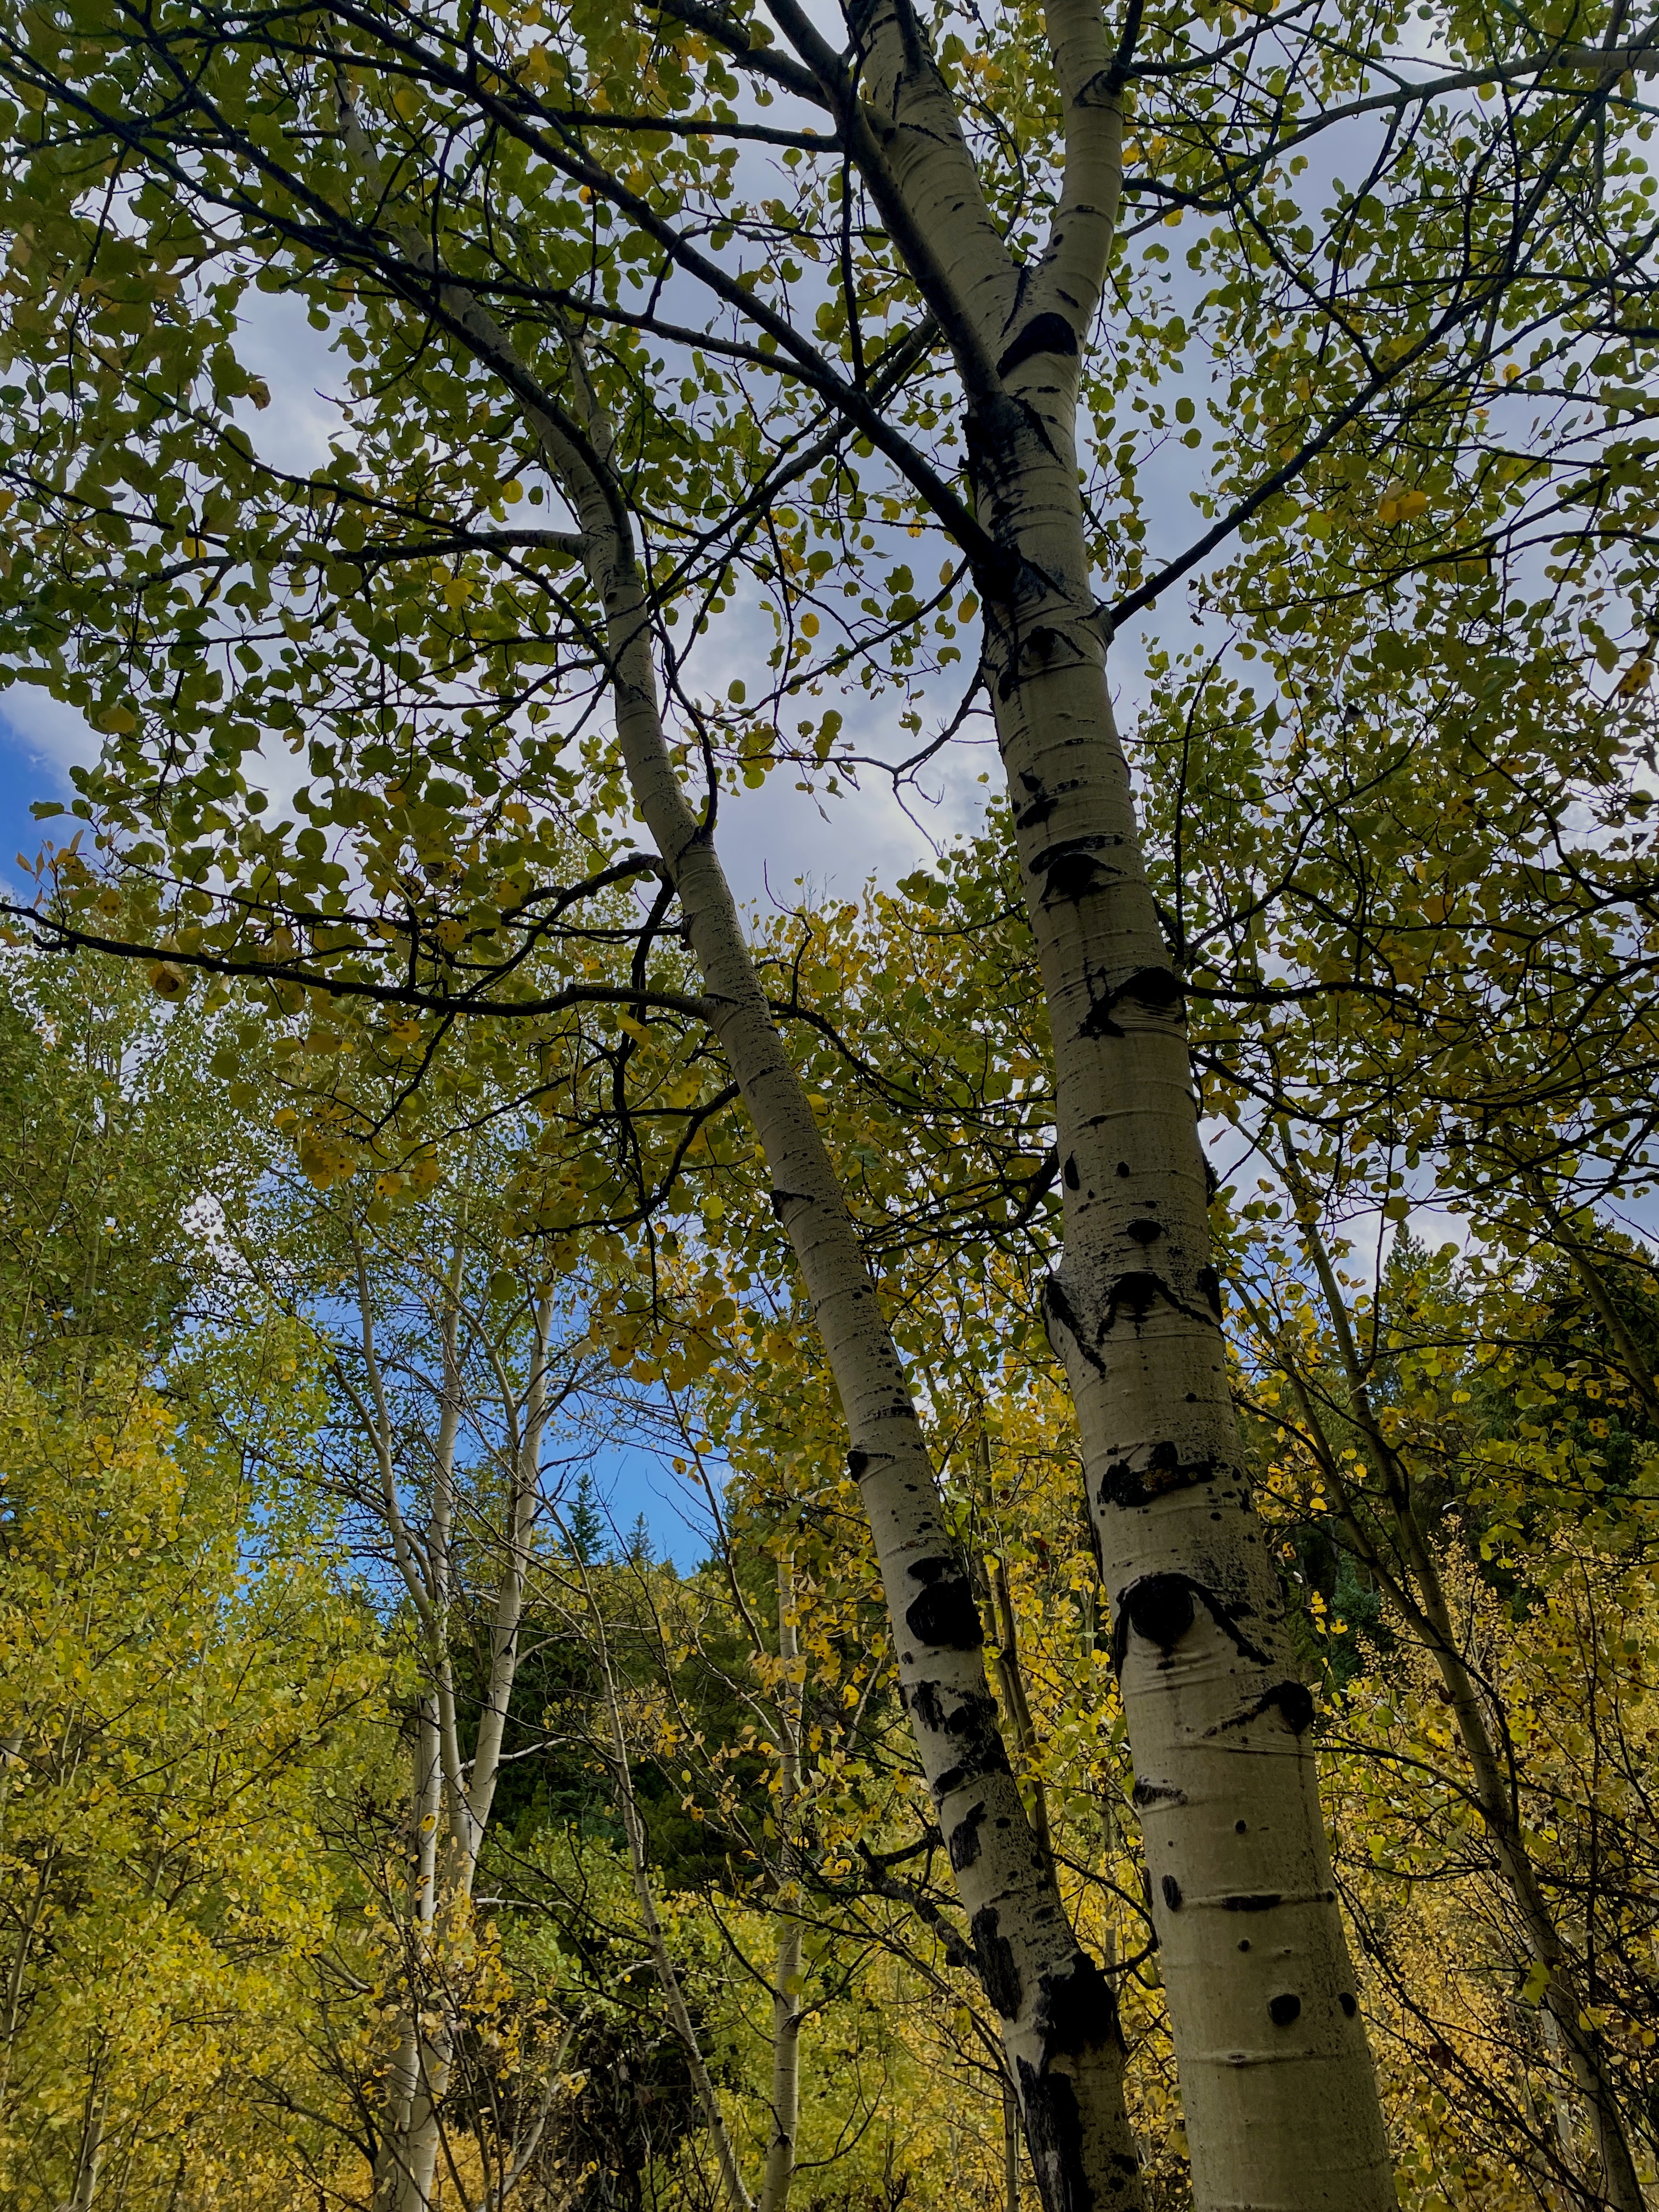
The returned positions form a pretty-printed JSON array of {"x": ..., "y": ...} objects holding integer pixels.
[
  {"x": 1058, "y": 2013},
  {"x": 89, "y": 2155},
  {"x": 450, "y": 1797},
  {"x": 1009, "y": 1674},
  {"x": 469, "y": 1802},
  {"x": 780, "y": 2170}
]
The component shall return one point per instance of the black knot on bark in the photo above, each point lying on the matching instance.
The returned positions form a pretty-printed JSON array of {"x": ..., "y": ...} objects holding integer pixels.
[
  {"x": 1071, "y": 869},
  {"x": 945, "y": 1615},
  {"x": 1159, "y": 1607},
  {"x": 1075, "y": 2010},
  {"x": 1045, "y": 333},
  {"x": 998, "y": 1970},
  {"x": 1163, "y": 1471},
  {"x": 1158, "y": 990},
  {"x": 1295, "y": 1701},
  {"x": 1163, "y": 1607},
  {"x": 963, "y": 1841},
  {"x": 1038, "y": 805}
]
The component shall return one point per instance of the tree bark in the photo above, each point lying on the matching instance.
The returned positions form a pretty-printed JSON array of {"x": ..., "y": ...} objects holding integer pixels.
[
  {"x": 786, "y": 2015},
  {"x": 1279, "y": 2093},
  {"x": 1058, "y": 2014}
]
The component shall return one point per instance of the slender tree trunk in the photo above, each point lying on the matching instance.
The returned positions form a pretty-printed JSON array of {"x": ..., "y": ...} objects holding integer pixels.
[
  {"x": 1010, "y": 2149},
  {"x": 780, "y": 2169},
  {"x": 468, "y": 1810},
  {"x": 1058, "y": 2013},
  {"x": 90, "y": 2157},
  {"x": 426, "y": 1576},
  {"x": 426, "y": 1799},
  {"x": 1279, "y": 2093},
  {"x": 1420, "y": 1596},
  {"x": 1010, "y": 1675},
  {"x": 1561, "y": 2110}
]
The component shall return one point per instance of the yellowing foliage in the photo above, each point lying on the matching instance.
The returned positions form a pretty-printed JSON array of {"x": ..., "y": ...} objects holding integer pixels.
[{"x": 177, "y": 1685}]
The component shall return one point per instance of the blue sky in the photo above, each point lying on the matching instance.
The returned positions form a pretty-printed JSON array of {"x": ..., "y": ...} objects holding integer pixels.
[{"x": 29, "y": 771}]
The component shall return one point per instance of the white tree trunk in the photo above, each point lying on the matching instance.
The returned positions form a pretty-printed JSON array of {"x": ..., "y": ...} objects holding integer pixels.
[
  {"x": 780, "y": 2169},
  {"x": 90, "y": 2157},
  {"x": 1279, "y": 2093},
  {"x": 1058, "y": 2013},
  {"x": 468, "y": 1809},
  {"x": 1277, "y": 2083}
]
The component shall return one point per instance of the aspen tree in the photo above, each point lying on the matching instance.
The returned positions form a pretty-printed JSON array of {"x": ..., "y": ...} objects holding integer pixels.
[
  {"x": 1059, "y": 2016},
  {"x": 1281, "y": 2108},
  {"x": 1410, "y": 1572},
  {"x": 454, "y": 1781}
]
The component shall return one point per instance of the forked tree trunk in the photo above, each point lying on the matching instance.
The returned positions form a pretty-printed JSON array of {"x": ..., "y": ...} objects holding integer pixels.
[
  {"x": 1280, "y": 2100},
  {"x": 1279, "y": 2093},
  {"x": 89, "y": 2156},
  {"x": 450, "y": 1799}
]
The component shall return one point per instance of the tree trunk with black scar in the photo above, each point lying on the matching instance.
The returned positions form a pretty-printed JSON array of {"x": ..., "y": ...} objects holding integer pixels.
[
  {"x": 1058, "y": 2014},
  {"x": 1276, "y": 2078},
  {"x": 1280, "y": 2095}
]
